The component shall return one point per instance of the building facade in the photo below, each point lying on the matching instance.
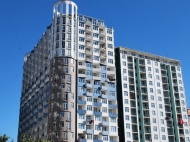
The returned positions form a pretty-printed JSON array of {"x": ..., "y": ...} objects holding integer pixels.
[
  {"x": 188, "y": 113},
  {"x": 69, "y": 86},
  {"x": 152, "y": 98}
]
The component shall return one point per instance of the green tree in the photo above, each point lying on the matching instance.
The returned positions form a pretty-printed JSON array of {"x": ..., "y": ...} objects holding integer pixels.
[{"x": 4, "y": 138}]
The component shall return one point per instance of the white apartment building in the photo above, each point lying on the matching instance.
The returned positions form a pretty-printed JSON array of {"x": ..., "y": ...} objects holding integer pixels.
[{"x": 153, "y": 98}]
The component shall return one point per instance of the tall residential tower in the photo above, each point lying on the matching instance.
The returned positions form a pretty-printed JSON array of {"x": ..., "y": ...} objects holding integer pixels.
[
  {"x": 152, "y": 98},
  {"x": 69, "y": 86}
]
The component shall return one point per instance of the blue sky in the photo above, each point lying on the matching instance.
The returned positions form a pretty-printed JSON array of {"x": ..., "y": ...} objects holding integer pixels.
[{"x": 157, "y": 26}]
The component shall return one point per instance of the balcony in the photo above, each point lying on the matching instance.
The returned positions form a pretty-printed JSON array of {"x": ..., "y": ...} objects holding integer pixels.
[
  {"x": 89, "y": 94},
  {"x": 81, "y": 102},
  {"x": 98, "y": 113},
  {"x": 89, "y": 85},
  {"x": 102, "y": 48},
  {"x": 102, "y": 56},
  {"x": 102, "y": 41},
  {"x": 88, "y": 59},
  {"x": 113, "y": 115},
  {"x": 89, "y": 131},
  {"x": 104, "y": 96},
  {"x": 88, "y": 52},
  {"x": 147, "y": 131},
  {"x": 88, "y": 37},
  {"x": 97, "y": 104},
  {"x": 88, "y": 45},
  {"x": 96, "y": 69},
  {"x": 112, "y": 106},
  {"x": 104, "y": 123},
  {"x": 81, "y": 111},
  {"x": 88, "y": 29},
  {"x": 101, "y": 32},
  {"x": 81, "y": 74},
  {"x": 104, "y": 133}
]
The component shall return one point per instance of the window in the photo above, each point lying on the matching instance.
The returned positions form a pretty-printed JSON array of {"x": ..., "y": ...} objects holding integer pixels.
[
  {"x": 72, "y": 95},
  {"x": 124, "y": 63},
  {"x": 162, "y": 129},
  {"x": 156, "y": 63},
  {"x": 180, "y": 82},
  {"x": 105, "y": 138},
  {"x": 126, "y": 101},
  {"x": 182, "y": 96},
  {"x": 72, "y": 135},
  {"x": 162, "y": 121},
  {"x": 186, "y": 131},
  {"x": 150, "y": 82},
  {"x": 81, "y": 126},
  {"x": 61, "y": 114},
  {"x": 153, "y": 120},
  {"x": 89, "y": 137},
  {"x": 96, "y": 58},
  {"x": 125, "y": 78},
  {"x": 153, "y": 112},
  {"x": 124, "y": 71},
  {"x": 95, "y": 35},
  {"x": 109, "y": 38},
  {"x": 97, "y": 118},
  {"x": 148, "y": 61},
  {"x": 126, "y": 117},
  {"x": 97, "y": 127},
  {"x": 150, "y": 75},
  {"x": 157, "y": 77},
  {"x": 113, "y": 129},
  {"x": 163, "y": 137},
  {"x": 81, "y": 39},
  {"x": 154, "y": 128},
  {"x": 181, "y": 88},
  {"x": 152, "y": 105},
  {"x": 81, "y": 31},
  {"x": 81, "y": 24},
  {"x": 110, "y": 46},
  {"x": 110, "y": 61},
  {"x": 96, "y": 50},
  {"x": 104, "y": 101},
  {"x": 127, "y": 126},
  {"x": 179, "y": 75},
  {"x": 110, "y": 53},
  {"x": 161, "y": 113},
  {"x": 159, "y": 98},
  {"x": 81, "y": 47},
  {"x": 125, "y": 85},
  {"x": 182, "y": 102},
  {"x": 178, "y": 68},
  {"x": 151, "y": 90},
  {"x": 104, "y": 109},
  {"x": 95, "y": 28},
  {"x": 81, "y": 116},
  {"x": 81, "y": 55},
  {"x": 113, "y": 120},
  {"x": 95, "y": 42},
  {"x": 89, "y": 108},
  {"x": 126, "y": 109},
  {"x": 158, "y": 84},
  {"x": 160, "y": 106},
  {"x": 156, "y": 137},
  {"x": 63, "y": 85},
  {"x": 125, "y": 93},
  {"x": 128, "y": 134},
  {"x": 109, "y": 31},
  {"x": 158, "y": 91},
  {"x": 149, "y": 68},
  {"x": 157, "y": 70},
  {"x": 152, "y": 97},
  {"x": 72, "y": 105}
]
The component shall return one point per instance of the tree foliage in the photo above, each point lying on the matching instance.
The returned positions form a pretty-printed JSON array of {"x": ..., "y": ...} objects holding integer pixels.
[{"x": 23, "y": 138}]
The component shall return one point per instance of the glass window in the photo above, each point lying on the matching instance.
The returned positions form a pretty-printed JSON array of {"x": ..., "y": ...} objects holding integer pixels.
[
  {"x": 125, "y": 93},
  {"x": 150, "y": 82},
  {"x": 125, "y": 85},
  {"x": 149, "y": 68},
  {"x": 156, "y": 137},
  {"x": 150, "y": 75},
  {"x": 154, "y": 128},
  {"x": 127, "y": 126},
  {"x": 153, "y": 120}
]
